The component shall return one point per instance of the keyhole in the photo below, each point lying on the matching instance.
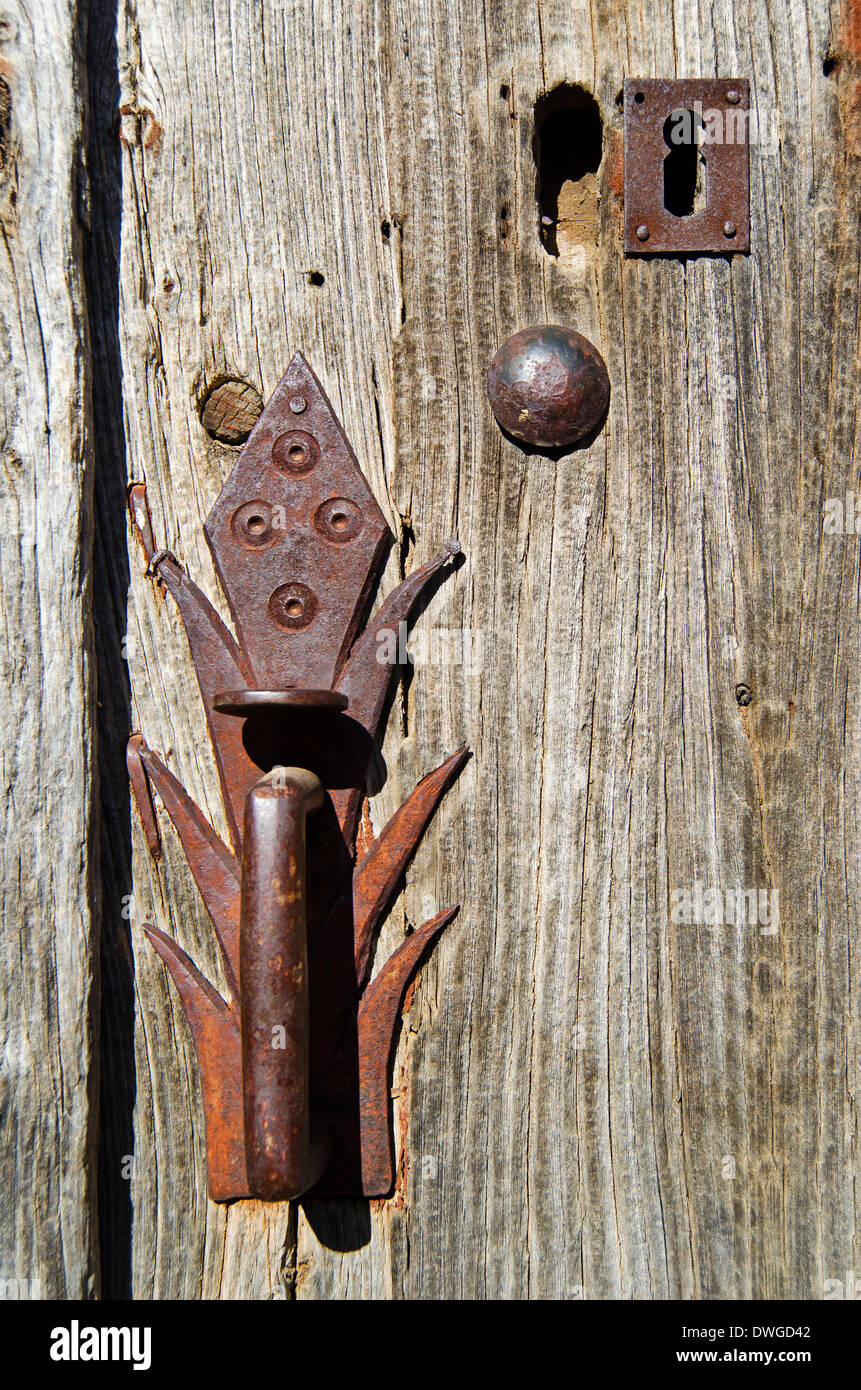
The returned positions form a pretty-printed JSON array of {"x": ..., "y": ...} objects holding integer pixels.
[{"x": 684, "y": 166}]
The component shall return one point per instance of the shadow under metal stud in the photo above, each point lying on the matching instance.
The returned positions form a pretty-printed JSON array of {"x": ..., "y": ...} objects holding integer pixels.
[
  {"x": 548, "y": 386},
  {"x": 295, "y": 1055}
]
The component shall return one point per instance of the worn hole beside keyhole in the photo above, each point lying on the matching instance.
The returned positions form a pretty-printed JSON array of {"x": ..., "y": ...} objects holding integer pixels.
[
  {"x": 567, "y": 145},
  {"x": 293, "y": 608},
  {"x": 685, "y": 189},
  {"x": 256, "y": 524}
]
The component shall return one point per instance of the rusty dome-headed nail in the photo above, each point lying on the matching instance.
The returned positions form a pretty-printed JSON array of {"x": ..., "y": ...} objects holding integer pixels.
[{"x": 548, "y": 386}]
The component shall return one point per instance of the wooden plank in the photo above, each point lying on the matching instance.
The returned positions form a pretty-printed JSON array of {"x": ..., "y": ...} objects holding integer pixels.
[
  {"x": 49, "y": 949},
  {"x": 600, "y": 1101}
]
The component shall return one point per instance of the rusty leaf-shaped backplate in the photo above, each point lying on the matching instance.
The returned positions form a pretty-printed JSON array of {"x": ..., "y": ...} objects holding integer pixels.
[{"x": 298, "y": 541}]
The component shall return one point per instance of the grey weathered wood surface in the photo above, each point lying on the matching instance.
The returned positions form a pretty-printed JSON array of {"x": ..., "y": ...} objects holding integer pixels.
[
  {"x": 599, "y": 1102},
  {"x": 48, "y": 997}
]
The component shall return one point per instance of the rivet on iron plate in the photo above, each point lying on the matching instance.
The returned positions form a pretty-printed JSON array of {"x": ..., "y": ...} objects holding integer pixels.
[
  {"x": 298, "y": 404},
  {"x": 295, "y": 451},
  {"x": 733, "y": 97},
  {"x": 293, "y": 606},
  {"x": 251, "y": 524},
  {"x": 729, "y": 229},
  {"x": 642, "y": 232},
  {"x": 339, "y": 519}
]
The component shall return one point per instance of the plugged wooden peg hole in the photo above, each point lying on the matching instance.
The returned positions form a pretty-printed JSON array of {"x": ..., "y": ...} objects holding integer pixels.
[{"x": 230, "y": 410}]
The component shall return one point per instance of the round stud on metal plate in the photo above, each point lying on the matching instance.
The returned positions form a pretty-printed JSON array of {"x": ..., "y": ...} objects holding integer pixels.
[
  {"x": 295, "y": 452},
  {"x": 292, "y": 606},
  {"x": 548, "y": 386}
]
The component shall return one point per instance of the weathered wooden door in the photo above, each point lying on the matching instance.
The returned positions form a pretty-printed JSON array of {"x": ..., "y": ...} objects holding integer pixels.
[{"x": 607, "y": 1086}]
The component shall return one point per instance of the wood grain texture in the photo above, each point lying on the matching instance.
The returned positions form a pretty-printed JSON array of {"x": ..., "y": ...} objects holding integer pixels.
[
  {"x": 48, "y": 955},
  {"x": 595, "y": 1100}
]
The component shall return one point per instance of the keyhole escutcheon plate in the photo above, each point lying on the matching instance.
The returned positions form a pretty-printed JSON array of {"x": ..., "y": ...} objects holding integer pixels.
[{"x": 662, "y": 117}]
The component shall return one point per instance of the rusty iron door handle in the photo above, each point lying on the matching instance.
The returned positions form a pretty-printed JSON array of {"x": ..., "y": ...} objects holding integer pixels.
[
  {"x": 295, "y": 1054},
  {"x": 273, "y": 972}
]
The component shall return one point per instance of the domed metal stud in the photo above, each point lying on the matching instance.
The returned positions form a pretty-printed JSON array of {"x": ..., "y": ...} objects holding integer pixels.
[{"x": 548, "y": 386}]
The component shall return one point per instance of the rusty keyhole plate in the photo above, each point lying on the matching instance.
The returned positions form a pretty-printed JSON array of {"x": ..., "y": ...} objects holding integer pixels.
[{"x": 720, "y": 221}]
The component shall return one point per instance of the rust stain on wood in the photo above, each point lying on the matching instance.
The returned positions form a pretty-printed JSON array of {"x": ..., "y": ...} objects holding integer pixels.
[
  {"x": 615, "y": 164},
  {"x": 851, "y": 30}
]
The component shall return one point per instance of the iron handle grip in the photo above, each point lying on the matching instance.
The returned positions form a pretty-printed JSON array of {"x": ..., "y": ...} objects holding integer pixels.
[{"x": 273, "y": 965}]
